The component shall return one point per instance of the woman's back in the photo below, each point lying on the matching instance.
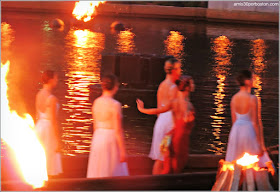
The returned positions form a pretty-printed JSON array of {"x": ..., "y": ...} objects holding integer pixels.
[
  {"x": 242, "y": 136},
  {"x": 104, "y": 108},
  {"x": 43, "y": 102},
  {"x": 241, "y": 105}
]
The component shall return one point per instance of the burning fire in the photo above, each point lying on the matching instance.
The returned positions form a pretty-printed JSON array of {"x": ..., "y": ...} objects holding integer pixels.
[
  {"x": 17, "y": 132},
  {"x": 84, "y": 10},
  {"x": 247, "y": 160}
]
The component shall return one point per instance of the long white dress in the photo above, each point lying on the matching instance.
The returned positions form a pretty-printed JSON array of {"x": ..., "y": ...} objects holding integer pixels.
[
  {"x": 242, "y": 138},
  {"x": 104, "y": 157},
  {"x": 163, "y": 125},
  {"x": 47, "y": 137}
]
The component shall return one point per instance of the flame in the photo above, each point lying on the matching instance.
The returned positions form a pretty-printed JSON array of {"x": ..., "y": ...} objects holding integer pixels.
[
  {"x": 247, "y": 160},
  {"x": 17, "y": 132},
  {"x": 227, "y": 166},
  {"x": 84, "y": 10}
]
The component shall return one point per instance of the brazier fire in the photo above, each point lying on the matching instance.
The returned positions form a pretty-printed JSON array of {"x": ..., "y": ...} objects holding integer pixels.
[{"x": 244, "y": 174}]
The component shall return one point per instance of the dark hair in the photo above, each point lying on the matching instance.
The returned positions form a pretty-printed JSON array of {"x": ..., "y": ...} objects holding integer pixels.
[
  {"x": 47, "y": 75},
  {"x": 183, "y": 82},
  {"x": 169, "y": 65},
  {"x": 108, "y": 82},
  {"x": 242, "y": 76}
]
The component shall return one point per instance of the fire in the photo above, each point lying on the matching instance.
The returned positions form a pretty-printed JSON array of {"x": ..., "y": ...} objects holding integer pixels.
[
  {"x": 84, "y": 10},
  {"x": 247, "y": 160},
  {"x": 17, "y": 132}
]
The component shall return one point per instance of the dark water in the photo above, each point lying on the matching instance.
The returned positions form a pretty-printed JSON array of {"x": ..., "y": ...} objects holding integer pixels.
[{"x": 211, "y": 53}]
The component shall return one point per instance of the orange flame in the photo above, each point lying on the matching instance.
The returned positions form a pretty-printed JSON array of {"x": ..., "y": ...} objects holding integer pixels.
[
  {"x": 247, "y": 160},
  {"x": 84, "y": 10},
  {"x": 17, "y": 132}
]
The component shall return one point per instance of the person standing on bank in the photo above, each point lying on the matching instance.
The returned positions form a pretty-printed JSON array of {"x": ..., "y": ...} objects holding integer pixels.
[
  {"x": 107, "y": 156},
  {"x": 167, "y": 91},
  {"x": 46, "y": 125},
  {"x": 177, "y": 152},
  {"x": 245, "y": 134}
]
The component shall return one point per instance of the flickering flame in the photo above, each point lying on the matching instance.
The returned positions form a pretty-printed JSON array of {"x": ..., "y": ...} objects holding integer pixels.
[
  {"x": 18, "y": 134},
  {"x": 247, "y": 160},
  {"x": 85, "y": 10},
  {"x": 227, "y": 166}
]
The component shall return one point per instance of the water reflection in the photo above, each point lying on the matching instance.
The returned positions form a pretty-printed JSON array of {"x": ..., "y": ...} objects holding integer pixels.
[
  {"x": 258, "y": 64},
  {"x": 83, "y": 55},
  {"x": 222, "y": 56},
  {"x": 174, "y": 45},
  {"x": 125, "y": 42}
]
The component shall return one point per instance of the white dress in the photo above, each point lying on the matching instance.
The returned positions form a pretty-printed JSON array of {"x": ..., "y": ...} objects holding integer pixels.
[
  {"x": 104, "y": 157},
  {"x": 242, "y": 138},
  {"x": 47, "y": 137},
  {"x": 163, "y": 125}
]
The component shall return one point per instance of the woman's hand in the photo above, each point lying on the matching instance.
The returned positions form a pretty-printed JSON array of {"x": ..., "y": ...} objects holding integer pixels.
[{"x": 140, "y": 105}]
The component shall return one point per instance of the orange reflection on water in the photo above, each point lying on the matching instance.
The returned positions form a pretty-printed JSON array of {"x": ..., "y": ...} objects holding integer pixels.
[
  {"x": 258, "y": 64},
  {"x": 125, "y": 42},
  {"x": 222, "y": 49},
  {"x": 83, "y": 56},
  {"x": 174, "y": 44}
]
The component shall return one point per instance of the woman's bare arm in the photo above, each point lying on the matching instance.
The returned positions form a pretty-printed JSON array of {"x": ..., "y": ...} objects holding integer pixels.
[
  {"x": 233, "y": 114},
  {"x": 260, "y": 123},
  {"x": 53, "y": 116},
  {"x": 255, "y": 118},
  {"x": 153, "y": 111}
]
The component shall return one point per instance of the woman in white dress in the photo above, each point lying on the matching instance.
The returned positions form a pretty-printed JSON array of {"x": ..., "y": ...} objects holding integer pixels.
[
  {"x": 46, "y": 126},
  {"x": 246, "y": 134},
  {"x": 107, "y": 153}
]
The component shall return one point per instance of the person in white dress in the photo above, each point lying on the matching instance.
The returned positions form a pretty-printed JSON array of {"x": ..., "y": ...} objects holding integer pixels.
[
  {"x": 46, "y": 125},
  {"x": 166, "y": 93},
  {"x": 246, "y": 134},
  {"x": 107, "y": 156}
]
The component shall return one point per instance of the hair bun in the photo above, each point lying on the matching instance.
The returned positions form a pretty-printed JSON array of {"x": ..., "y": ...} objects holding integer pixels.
[
  {"x": 108, "y": 82},
  {"x": 47, "y": 75}
]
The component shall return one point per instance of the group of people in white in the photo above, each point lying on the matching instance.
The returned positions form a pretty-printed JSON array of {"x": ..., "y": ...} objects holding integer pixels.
[{"x": 176, "y": 117}]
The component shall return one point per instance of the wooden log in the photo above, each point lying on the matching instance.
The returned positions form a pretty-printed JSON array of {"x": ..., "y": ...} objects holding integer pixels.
[
  {"x": 250, "y": 179},
  {"x": 236, "y": 177},
  {"x": 228, "y": 181},
  {"x": 262, "y": 180},
  {"x": 220, "y": 181},
  {"x": 244, "y": 185}
]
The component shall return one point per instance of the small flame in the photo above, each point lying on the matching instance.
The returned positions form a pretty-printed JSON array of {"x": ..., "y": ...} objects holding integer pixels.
[
  {"x": 17, "y": 132},
  {"x": 247, "y": 160},
  {"x": 84, "y": 10}
]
